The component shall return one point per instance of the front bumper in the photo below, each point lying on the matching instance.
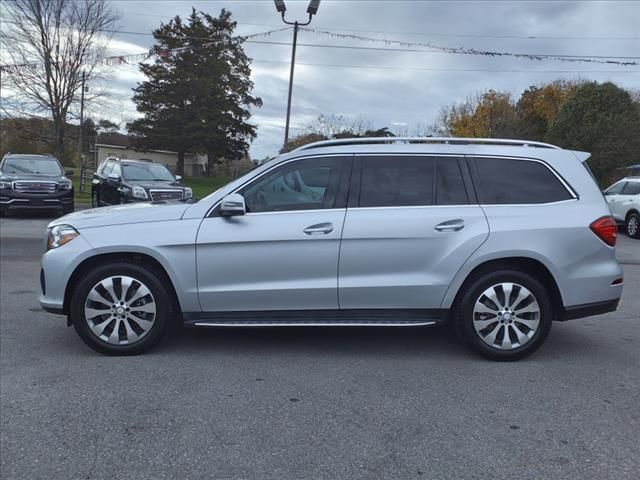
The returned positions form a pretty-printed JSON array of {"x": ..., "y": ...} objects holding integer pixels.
[
  {"x": 10, "y": 199},
  {"x": 58, "y": 265}
]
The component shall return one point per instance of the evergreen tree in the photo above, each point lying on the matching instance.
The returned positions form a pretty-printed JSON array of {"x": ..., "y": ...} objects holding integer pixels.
[{"x": 197, "y": 98}]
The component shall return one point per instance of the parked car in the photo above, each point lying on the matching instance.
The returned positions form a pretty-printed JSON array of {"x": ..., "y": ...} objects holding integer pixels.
[
  {"x": 125, "y": 181},
  {"x": 498, "y": 238},
  {"x": 34, "y": 182},
  {"x": 623, "y": 198}
]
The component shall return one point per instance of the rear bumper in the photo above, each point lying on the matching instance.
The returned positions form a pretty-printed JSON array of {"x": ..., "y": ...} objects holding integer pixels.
[{"x": 589, "y": 309}]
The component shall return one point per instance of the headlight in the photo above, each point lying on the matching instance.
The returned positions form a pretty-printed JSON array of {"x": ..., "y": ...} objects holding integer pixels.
[
  {"x": 139, "y": 192},
  {"x": 5, "y": 185},
  {"x": 65, "y": 186},
  {"x": 188, "y": 193},
  {"x": 60, "y": 235}
]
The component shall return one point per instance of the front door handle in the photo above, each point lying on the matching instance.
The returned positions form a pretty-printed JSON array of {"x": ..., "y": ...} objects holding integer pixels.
[
  {"x": 319, "y": 229},
  {"x": 450, "y": 225}
]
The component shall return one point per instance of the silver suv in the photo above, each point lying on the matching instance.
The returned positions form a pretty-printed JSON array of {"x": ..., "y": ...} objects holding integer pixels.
[{"x": 498, "y": 238}]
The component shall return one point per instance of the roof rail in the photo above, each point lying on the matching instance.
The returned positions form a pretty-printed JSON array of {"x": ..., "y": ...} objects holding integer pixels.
[{"x": 441, "y": 140}]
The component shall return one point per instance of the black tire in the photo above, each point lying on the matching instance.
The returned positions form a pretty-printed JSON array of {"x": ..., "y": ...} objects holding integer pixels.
[
  {"x": 149, "y": 277},
  {"x": 632, "y": 225},
  {"x": 463, "y": 315},
  {"x": 95, "y": 199},
  {"x": 3, "y": 212}
]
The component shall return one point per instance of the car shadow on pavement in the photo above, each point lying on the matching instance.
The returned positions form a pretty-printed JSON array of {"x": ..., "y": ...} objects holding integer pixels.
[{"x": 322, "y": 340}]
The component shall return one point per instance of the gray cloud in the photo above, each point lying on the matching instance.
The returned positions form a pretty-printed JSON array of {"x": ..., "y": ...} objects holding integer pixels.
[{"x": 402, "y": 89}]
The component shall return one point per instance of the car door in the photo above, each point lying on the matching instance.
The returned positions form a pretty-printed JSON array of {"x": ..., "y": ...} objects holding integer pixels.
[
  {"x": 283, "y": 253},
  {"x": 100, "y": 180},
  {"x": 112, "y": 183},
  {"x": 411, "y": 223},
  {"x": 628, "y": 198},
  {"x": 613, "y": 197}
]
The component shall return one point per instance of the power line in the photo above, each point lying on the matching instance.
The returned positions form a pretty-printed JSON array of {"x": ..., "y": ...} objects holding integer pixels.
[
  {"x": 417, "y": 69},
  {"x": 434, "y": 34},
  {"x": 585, "y": 58}
]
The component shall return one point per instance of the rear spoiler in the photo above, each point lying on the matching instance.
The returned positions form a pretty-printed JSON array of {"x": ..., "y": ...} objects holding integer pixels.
[{"x": 582, "y": 156}]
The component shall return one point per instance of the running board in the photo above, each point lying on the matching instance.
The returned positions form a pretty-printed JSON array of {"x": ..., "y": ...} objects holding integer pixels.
[
  {"x": 373, "y": 323},
  {"x": 316, "y": 318}
]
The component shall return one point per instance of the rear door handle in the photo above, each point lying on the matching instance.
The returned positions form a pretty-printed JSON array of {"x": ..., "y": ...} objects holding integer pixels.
[
  {"x": 450, "y": 225},
  {"x": 319, "y": 229}
]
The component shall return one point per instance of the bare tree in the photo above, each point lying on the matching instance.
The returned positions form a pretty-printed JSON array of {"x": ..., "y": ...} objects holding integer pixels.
[{"x": 48, "y": 45}]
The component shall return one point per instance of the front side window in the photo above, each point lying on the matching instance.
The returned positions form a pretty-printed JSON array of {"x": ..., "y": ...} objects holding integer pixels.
[
  {"x": 310, "y": 184},
  {"x": 396, "y": 181},
  {"x": 615, "y": 189},
  {"x": 107, "y": 168},
  {"x": 505, "y": 181},
  {"x": 31, "y": 166},
  {"x": 631, "y": 188}
]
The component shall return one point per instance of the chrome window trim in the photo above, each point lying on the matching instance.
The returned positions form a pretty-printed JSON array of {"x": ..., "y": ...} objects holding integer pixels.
[{"x": 411, "y": 154}]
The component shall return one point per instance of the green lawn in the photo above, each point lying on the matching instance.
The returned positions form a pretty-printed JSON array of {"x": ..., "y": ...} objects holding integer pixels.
[{"x": 201, "y": 186}]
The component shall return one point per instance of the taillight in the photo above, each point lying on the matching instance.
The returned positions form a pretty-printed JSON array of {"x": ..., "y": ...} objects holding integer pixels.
[{"x": 606, "y": 230}]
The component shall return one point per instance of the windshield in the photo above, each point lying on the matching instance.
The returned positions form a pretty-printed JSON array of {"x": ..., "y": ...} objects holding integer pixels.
[
  {"x": 150, "y": 172},
  {"x": 32, "y": 166}
]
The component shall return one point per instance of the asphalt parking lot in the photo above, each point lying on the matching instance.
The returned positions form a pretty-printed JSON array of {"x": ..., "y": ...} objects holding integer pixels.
[{"x": 312, "y": 403}]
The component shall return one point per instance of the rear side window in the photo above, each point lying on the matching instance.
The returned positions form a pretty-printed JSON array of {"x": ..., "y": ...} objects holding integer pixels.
[
  {"x": 505, "y": 181},
  {"x": 631, "y": 188},
  {"x": 450, "y": 189},
  {"x": 397, "y": 181}
]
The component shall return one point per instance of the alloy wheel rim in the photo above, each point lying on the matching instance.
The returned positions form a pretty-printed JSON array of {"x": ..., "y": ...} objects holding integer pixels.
[
  {"x": 632, "y": 226},
  {"x": 120, "y": 310},
  {"x": 506, "y": 316}
]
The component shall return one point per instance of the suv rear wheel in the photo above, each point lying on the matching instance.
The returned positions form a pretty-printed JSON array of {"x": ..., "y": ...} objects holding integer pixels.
[
  {"x": 632, "y": 225},
  {"x": 121, "y": 308},
  {"x": 504, "y": 315}
]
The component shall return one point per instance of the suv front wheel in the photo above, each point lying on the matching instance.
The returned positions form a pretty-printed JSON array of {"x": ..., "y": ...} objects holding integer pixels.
[
  {"x": 504, "y": 315},
  {"x": 121, "y": 308},
  {"x": 632, "y": 225}
]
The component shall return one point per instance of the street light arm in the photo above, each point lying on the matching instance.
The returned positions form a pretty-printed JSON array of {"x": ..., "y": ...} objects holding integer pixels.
[{"x": 296, "y": 23}]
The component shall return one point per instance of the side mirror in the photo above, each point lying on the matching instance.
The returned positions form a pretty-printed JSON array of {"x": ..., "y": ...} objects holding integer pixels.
[
  {"x": 114, "y": 176},
  {"x": 232, "y": 205},
  {"x": 68, "y": 173},
  {"x": 178, "y": 178}
]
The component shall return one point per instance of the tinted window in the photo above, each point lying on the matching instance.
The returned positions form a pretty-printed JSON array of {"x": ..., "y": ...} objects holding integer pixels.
[
  {"x": 615, "y": 189},
  {"x": 631, "y": 188},
  {"x": 108, "y": 166},
  {"x": 396, "y": 181},
  {"x": 508, "y": 181},
  {"x": 31, "y": 165},
  {"x": 302, "y": 185},
  {"x": 146, "y": 171},
  {"x": 450, "y": 189}
]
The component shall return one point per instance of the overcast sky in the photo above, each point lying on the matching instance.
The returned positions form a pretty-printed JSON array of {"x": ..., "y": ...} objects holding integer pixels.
[{"x": 395, "y": 88}]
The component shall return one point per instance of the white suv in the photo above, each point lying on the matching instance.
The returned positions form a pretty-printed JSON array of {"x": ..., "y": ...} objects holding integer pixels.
[{"x": 623, "y": 198}]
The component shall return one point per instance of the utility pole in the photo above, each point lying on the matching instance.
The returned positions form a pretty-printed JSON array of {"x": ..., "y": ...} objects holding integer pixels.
[
  {"x": 81, "y": 120},
  {"x": 312, "y": 9}
]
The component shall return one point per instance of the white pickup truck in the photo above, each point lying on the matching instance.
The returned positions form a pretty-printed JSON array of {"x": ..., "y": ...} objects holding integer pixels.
[{"x": 623, "y": 198}]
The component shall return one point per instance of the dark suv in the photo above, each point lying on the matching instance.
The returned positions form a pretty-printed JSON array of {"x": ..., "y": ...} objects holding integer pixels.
[
  {"x": 34, "y": 182},
  {"x": 124, "y": 181}
]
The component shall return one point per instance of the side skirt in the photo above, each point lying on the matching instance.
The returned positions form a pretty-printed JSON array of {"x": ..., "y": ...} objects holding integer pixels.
[{"x": 318, "y": 318}]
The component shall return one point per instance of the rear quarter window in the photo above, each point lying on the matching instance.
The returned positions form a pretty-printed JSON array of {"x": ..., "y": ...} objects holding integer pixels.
[
  {"x": 505, "y": 181},
  {"x": 631, "y": 188}
]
